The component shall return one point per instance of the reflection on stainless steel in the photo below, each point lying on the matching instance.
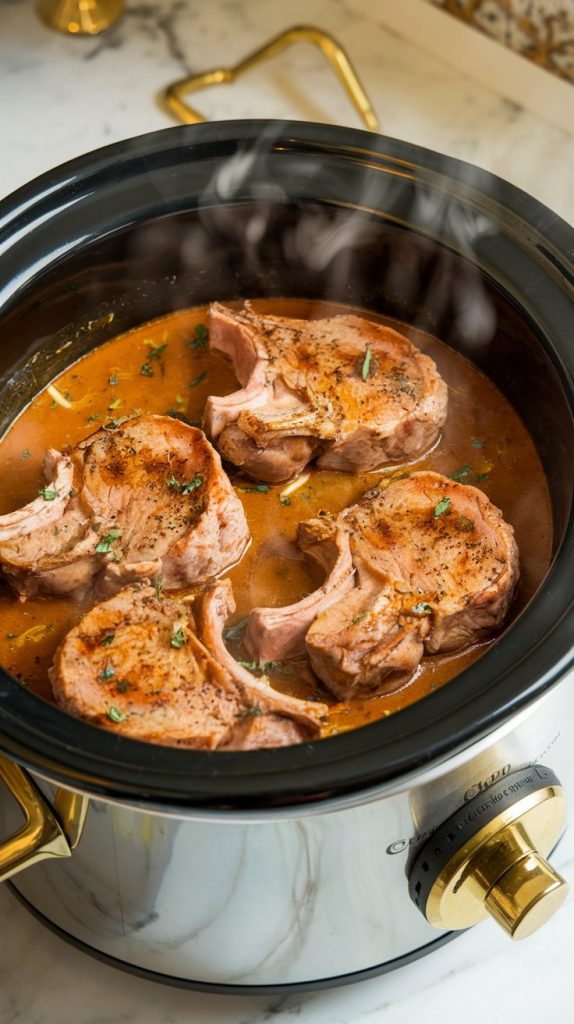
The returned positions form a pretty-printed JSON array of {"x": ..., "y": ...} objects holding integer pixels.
[{"x": 273, "y": 897}]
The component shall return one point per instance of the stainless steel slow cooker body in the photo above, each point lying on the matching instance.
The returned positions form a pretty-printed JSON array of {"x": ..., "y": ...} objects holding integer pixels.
[{"x": 289, "y": 867}]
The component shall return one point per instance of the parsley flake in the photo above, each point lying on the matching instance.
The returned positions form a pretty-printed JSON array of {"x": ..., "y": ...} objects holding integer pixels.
[
  {"x": 115, "y": 715},
  {"x": 200, "y": 337},
  {"x": 260, "y": 488},
  {"x": 442, "y": 507},
  {"x": 285, "y": 501},
  {"x": 146, "y": 370},
  {"x": 421, "y": 609},
  {"x": 197, "y": 380},
  {"x": 192, "y": 485},
  {"x": 177, "y": 638},
  {"x": 107, "y": 672},
  {"x": 156, "y": 351},
  {"x": 104, "y": 545},
  {"x": 366, "y": 368},
  {"x": 107, "y": 640},
  {"x": 25, "y": 454},
  {"x": 113, "y": 379},
  {"x": 462, "y": 475},
  {"x": 48, "y": 493}
]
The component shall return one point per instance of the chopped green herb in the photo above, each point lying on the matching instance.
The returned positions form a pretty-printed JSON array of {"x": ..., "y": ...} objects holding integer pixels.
[
  {"x": 25, "y": 454},
  {"x": 197, "y": 380},
  {"x": 366, "y": 368},
  {"x": 157, "y": 586},
  {"x": 187, "y": 487},
  {"x": 177, "y": 638},
  {"x": 107, "y": 640},
  {"x": 462, "y": 474},
  {"x": 358, "y": 618},
  {"x": 236, "y": 631},
  {"x": 107, "y": 672},
  {"x": 477, "y": 443},
  {"x": 10, "y": 636},
  {"x": 48, "y": 493},
  {"x": 265, "y": 666},
  {"x": 115, "y": 404},
  {"x": 482, "y": 476},
  {"x": 442, "y": 507},
  {"x": 122, "y": 686},
  {"x": 93, "y": 418},
  {"x": 261, "y": 488},
  {"x": 113, "y": 379},
  {"x": 104, "y": 545},
  {"x": 422, "y": 609},
  {"x": 146, "y": 370},
  {"x": 249, "y": 712},
  {"x": 53, "y": 404},
  {"x": 115, "y": 715},
  {"x": 200, "y": 337},
  {"x": 191, "y": 485},
  {"x": 285, "y": 501},
  {"x": 464, "y": 523},
  {"x": 156, "y": 351}
]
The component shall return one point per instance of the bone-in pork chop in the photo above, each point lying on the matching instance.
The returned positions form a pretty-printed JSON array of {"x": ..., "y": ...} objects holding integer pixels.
[
  {"x": 351, "y": 393},
  {"x": 136, "y": 664},
  {"x": 147, "y": 498},
  {"x": 435, "y": 568}
]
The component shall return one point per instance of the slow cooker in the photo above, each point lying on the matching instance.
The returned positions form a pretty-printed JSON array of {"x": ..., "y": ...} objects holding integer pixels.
[{"x": 337, "y": 859}]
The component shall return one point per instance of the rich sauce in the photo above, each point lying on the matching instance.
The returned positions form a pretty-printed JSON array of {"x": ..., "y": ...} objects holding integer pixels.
[{"x": 165, "y": 366}]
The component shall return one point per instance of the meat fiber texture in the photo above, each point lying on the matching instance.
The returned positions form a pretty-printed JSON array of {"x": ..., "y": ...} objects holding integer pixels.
[
  {"x": 145, "y": 499},
  {"x": 424, "y": 565},
  {"x": 141, "y": 665},
  {"x": 350, "y": 393}
]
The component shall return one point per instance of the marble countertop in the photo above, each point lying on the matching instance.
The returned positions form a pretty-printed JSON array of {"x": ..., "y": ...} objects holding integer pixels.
[{"x": 64, "y": 96}]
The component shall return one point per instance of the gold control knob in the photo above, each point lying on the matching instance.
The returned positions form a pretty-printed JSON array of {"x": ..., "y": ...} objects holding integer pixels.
[
  {"x": 80, "y": 17},
  {"x": 489, "y": 858}
]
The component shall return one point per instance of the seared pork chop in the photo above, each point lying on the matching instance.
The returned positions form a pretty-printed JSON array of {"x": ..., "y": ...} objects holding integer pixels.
[
  {"x": 148, "y": 498},
  {"x": 349, "y": 392},
  {"x": 435, "y": 568},
  {"x": 135, "y": 664}
]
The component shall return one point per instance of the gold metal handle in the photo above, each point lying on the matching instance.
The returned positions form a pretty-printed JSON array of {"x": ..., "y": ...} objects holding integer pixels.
[
  {"x": 501, "y": 870},
  {"x": 46, "y": 832},
  {"x": 80, "y": 17},
  {"x": 173, "y": 95}
]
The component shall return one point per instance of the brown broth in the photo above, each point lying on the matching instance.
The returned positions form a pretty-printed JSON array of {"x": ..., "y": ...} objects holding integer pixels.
[{"x": 482, "y": 431}]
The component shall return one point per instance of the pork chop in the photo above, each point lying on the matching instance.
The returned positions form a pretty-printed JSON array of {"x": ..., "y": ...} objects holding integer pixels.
[
  {"x": 351, "y": 393},
  {"x": 144, "y": 499},
  {"x": 435, "y": 567},
  {"x": 135, "y": 664}
]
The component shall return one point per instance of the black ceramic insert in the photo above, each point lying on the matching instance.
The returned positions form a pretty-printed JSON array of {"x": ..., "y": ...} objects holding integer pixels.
[{"x": 238, "y": 209}]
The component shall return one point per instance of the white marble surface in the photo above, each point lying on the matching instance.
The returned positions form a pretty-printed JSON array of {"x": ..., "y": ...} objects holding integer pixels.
[{"x": 61, "y": 97}]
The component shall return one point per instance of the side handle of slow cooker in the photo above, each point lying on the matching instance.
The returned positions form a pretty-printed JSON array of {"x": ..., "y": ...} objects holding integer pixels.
[{"x": 47, "y": 831}]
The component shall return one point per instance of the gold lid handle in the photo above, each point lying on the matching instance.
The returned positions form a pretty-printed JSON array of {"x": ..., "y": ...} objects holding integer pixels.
[
  {"x": 47, "y": 831},
  {"x": 80, "y": 17}
]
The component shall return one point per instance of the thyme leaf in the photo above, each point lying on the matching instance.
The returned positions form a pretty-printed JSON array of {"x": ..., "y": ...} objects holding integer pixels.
[
  {"x": 366, "y": 368},
  {"x": 442, "y": 507}
]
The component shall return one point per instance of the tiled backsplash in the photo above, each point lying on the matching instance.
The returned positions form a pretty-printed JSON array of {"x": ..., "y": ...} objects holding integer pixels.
[{"x": 542, "y": 31}]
